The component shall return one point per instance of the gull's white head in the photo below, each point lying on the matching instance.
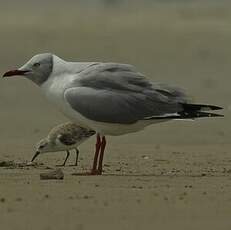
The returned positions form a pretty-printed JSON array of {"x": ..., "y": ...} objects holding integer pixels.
[{"x": 37, "y": 69}]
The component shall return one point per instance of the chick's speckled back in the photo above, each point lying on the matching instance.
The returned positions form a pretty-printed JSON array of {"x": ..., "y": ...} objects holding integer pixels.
[{"x": 70, "y": 129}]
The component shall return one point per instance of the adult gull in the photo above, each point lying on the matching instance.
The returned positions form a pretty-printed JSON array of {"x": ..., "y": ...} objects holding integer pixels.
[{"x": 110, "y": 98}]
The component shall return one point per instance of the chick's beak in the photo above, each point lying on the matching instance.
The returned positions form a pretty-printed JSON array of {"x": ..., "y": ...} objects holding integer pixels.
[
  {"x": 15, "y": 72},
  {"x": 35, "y": 156}
]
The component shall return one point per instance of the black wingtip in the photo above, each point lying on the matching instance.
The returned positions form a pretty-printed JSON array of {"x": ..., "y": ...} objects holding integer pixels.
[
  {"x": 214, "y": 115},
  {"x": 201, "y": 115},
  {"x": 185, "y": 116},
  {"x": 200, "y": 107},
  {"x": 214, "y": 107}
]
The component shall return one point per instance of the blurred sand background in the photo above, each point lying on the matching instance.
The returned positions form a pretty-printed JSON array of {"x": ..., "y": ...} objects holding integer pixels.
[{"x": 175, "y": 174}]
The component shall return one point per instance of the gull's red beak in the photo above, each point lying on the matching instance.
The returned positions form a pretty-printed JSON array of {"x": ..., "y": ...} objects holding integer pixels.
[{"x": 15, "y": 72}]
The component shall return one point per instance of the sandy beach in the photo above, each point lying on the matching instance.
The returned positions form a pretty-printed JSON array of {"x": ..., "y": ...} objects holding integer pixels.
[{"x": 173, "y": 175}]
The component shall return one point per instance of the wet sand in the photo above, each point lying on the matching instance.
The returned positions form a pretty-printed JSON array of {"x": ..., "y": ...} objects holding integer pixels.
[{"x": 175, "y": 175}]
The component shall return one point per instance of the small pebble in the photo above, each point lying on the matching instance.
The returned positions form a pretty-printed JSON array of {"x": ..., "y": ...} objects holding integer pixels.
[
  {"x": 30, "y": 163},
  {"x": 52, "y": 175},
  {"x": 145, "y": 157}
]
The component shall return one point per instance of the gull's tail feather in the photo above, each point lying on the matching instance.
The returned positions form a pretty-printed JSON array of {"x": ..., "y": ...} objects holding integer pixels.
[{"x": 190, "y": 111}]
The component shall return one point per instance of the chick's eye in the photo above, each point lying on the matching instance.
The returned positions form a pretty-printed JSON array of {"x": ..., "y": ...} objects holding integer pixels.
[{"x": 37, "y": 64}]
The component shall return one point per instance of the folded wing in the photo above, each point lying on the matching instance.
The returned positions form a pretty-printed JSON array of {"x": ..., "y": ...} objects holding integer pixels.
[{"x": 116, "y": 93}]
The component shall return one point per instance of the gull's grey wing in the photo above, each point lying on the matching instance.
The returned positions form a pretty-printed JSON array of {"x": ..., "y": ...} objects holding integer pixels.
[
  {"x": 116, "y": 76},
  {"x": 113, "y": 76},
  {"x": 116, "y": 93}
]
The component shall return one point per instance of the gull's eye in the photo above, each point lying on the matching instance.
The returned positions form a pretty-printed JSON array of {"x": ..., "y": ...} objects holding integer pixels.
[{"x": 37, "y": 64}]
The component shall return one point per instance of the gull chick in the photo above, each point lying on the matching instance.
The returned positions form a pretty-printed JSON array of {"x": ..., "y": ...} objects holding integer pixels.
[{"x": 63, "y": 137}]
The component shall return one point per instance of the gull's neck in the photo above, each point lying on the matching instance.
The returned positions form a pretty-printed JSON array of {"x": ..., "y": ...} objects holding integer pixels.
[{"x": 61, "y": 66}]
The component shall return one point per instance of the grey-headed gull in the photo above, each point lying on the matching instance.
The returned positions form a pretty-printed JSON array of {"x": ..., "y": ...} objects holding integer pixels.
[
  {"x": 110, "y": 98},
  {"x": 63, "y": 137}
]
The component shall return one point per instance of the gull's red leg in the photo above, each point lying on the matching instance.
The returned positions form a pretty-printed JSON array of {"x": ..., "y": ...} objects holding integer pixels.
[
  {"x": 97, "y": 149},
  {"x": 103, "y": 145},
  {"x": 94, "y": 170}
]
